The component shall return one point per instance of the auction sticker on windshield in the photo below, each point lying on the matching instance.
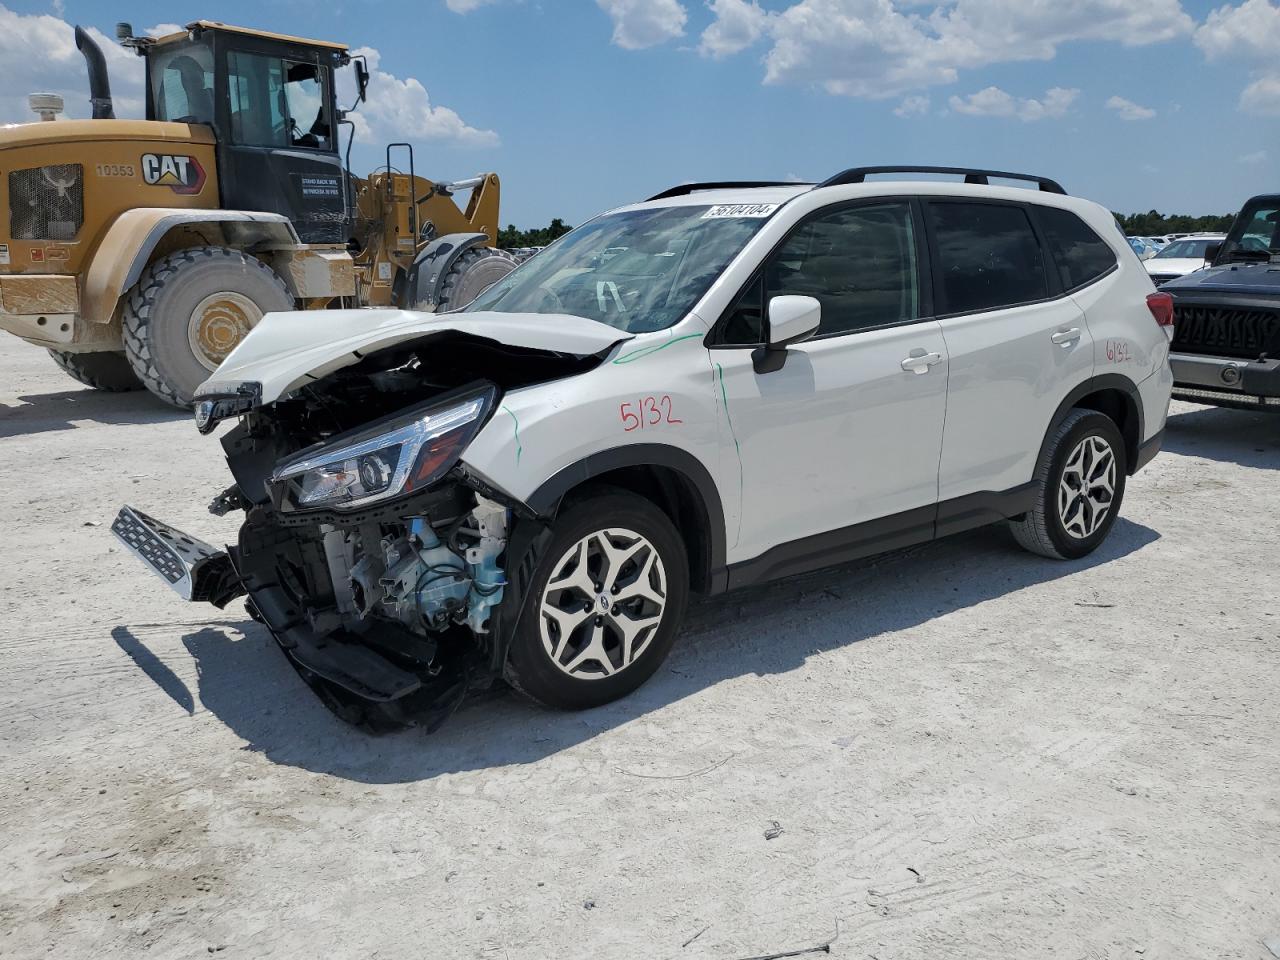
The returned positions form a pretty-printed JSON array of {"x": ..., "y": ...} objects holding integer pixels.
[{"x": 722, "y": 210}]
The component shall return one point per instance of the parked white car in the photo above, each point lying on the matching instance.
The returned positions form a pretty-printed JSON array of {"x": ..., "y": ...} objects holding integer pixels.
[
  {"x": 720, "y": 386},
  {"x": 1182, "y": 257}
]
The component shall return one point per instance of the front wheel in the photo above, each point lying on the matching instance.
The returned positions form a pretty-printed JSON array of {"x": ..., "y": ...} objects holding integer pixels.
[
  {"x": 1079, "y": 486},
  {"x": 604, "y": 604},
  {"x": 189, "y": 310}
]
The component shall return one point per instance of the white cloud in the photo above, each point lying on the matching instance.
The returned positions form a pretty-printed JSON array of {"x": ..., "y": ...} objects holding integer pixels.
[
  {"x": 402, "y": 110},
  {"x": 38, "y": 55},
  {"x": 1258, "y": 156},
  {"x": 912, "y": 106},
  {"x": 1251, "y": 29},
  {"x": 994, "y": 102},
  {"x": 644, "y": 23},
  {"x": 466, "y": 6},
  {"x": 1129, "y": 110},
  {"x": 885, "y": 48},
  {"x": 1262, "y": 96},
  {"x": 738, "y": 24}
]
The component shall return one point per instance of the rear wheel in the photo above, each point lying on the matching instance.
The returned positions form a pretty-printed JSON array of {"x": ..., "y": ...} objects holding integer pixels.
[
  {"x": 1079, "y": 486},
  {"x": 603, "y": 606},
  {"x": 472, "y": 274},
  {"x": 107, "y": 371},
  {"x": 189, "y": 310}
]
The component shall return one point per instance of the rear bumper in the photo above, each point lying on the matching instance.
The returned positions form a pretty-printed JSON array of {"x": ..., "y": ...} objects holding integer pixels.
[
  {"x": 1147, "y": 452},
  {"x": 1216, "y": 379}
]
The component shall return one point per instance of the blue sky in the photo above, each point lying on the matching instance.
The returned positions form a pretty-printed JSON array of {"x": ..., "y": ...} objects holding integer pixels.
[{"x": 585, "y": 104}]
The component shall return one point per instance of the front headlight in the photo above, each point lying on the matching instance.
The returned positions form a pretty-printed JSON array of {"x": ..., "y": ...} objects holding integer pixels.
[{"x": 393, "y": 458}]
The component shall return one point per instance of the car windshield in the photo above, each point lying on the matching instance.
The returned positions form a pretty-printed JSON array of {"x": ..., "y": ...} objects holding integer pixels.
[
  {"x": 1185, "y": 250},
  {"x": 638, "y": 270},
  {"x": 1256, "y": 232}
]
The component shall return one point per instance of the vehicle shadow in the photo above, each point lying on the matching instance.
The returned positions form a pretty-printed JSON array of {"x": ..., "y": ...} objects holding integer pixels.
[
  {"x": 249, "y": 686},
  {"x": 1216, "y": 433},
  {"x": 39, "y": 413}
]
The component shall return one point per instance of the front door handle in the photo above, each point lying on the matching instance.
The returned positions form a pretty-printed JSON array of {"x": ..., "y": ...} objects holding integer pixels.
[
  {"x": 1065, "y": 338},
  {"x": 919, "y": 362}
]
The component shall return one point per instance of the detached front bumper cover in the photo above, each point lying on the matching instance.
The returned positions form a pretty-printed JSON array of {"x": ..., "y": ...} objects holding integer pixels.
[{"x": 194, "y": 570}]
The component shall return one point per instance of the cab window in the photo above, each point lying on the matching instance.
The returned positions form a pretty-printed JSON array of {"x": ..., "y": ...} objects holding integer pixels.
[
  {"x": 277, "y": 103},
  {"x": 182, "y": 84}
]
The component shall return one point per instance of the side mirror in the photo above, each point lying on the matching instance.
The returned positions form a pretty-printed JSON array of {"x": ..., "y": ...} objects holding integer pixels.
[
  {"x": 790, "y": 320},
  {"x": 362, "y": 78},
  {"x": 1211, "y": 252}
]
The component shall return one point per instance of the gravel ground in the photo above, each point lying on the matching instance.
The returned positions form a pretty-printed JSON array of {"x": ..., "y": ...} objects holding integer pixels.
[{"x": 959, "y": 750}]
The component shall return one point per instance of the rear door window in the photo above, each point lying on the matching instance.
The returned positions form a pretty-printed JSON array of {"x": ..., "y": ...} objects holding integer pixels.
[
  {"x": 1080, "y": 254},
  {"x": 988, "y": 256}
]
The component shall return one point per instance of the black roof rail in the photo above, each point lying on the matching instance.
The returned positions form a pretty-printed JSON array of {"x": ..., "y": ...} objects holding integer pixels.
[
  {"x": 684, "y": 189},
  {"x": 860, "y": 174}
]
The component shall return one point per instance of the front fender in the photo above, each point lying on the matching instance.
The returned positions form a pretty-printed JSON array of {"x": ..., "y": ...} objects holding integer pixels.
[{"x": 131, "y": 241}]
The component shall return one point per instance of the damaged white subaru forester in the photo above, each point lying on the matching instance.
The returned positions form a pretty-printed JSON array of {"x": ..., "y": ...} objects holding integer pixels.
[{"x": 725, "y": 384}]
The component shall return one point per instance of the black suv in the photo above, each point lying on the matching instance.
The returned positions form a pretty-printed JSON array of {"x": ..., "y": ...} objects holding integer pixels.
[{"x": 1226, "y": 342}]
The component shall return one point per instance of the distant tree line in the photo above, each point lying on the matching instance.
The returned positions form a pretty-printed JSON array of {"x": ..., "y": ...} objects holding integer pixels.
[
  {"x": 1155, "y": 224},
  {"x": 510, "y": 237}
]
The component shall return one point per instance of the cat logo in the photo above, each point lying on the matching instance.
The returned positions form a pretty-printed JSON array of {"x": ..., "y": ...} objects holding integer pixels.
[{"x": 180, "y": 173}]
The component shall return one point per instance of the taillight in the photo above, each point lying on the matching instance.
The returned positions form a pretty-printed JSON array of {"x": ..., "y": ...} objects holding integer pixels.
[{"x": 1161, "y": 307}]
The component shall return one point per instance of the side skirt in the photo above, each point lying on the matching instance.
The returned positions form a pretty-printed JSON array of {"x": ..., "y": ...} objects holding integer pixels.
[{"x": 882, "y": 535}]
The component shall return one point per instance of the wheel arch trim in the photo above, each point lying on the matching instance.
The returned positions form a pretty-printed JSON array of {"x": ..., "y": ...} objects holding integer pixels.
[
  {"x": 1098, "y": 384},
  {"x": 545, "y": 501}
]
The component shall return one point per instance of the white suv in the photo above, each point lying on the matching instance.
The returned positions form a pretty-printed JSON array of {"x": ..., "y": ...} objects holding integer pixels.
[{"x": 725, "y": 384}]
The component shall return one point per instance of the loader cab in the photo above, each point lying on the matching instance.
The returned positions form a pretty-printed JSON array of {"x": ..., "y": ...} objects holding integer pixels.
[{"x": 270, "y": 101}]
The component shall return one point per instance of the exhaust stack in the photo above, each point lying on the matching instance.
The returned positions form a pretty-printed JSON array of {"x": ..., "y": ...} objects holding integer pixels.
[{"x": 99, "y": 86}]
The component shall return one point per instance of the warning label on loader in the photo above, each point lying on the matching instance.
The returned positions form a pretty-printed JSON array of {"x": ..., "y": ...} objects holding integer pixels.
[{"x": 321, "y": 187}]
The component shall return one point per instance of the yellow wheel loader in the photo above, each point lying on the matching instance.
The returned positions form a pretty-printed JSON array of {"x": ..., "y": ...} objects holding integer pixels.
[{"x": 140, "y": 252}]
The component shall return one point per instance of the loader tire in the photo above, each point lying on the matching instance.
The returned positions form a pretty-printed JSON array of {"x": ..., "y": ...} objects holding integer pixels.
[
  {"x": 471, "y": 275},
  {"x": 108, "y": 371},
  {"x": 189, "y": 310}
]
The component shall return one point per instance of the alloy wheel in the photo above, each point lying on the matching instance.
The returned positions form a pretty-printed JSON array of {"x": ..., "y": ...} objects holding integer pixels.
[
  {"x": 1087, "y": 488},
  {"x": 603, "y": 604}
]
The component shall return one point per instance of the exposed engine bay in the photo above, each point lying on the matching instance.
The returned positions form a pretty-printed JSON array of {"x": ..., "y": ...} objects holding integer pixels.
[{"x": 378, "y": 562}]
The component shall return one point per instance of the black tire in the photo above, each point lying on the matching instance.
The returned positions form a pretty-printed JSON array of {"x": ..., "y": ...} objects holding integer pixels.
[
  {"x": 109, "y": 371},
  {"x": 159, "y": 307},
  {"x": 472, "y": 274},
  {"x": 1042, "y": 529},
  {"x": 530, "y": 668}
]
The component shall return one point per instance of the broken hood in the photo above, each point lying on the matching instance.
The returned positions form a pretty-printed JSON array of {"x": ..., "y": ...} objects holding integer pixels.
[{"x": 286, "y": 350}]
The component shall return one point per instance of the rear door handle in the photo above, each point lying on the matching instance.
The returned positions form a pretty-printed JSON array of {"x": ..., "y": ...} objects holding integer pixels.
[
  {"x": 1066, "y": 337},
  {"x": 919, "y": 362}
]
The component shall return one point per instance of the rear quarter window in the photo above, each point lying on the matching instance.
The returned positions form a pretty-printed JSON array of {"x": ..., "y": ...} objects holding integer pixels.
[{"x": 1080, "y": 254}]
